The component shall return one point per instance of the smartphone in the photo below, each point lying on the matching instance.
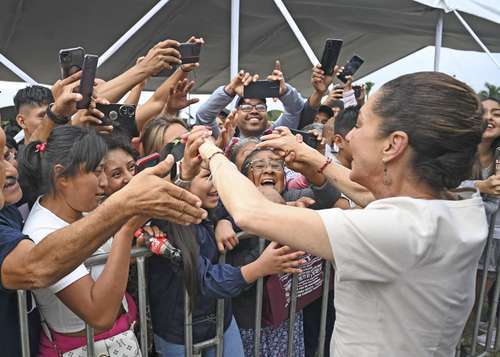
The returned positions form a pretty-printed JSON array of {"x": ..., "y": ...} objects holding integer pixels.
[
  {"x": 190, "y": 52},
  {"x": 262, "y": 89},
  {"x": 87, "y": 81},
  {"x": 308, "y": 138},
  {"x": 147, "y": 161},
  {"x": 71, "y": 60},
  {"x": 330, "y": 55},
  {"x": 120, "y": 116},
  {"x": 351, "y": 67},
  {"x": 357, "y": 91}
]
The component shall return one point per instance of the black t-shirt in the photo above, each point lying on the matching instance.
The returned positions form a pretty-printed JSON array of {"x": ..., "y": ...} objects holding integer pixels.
[{"x": 11, "y": 225}]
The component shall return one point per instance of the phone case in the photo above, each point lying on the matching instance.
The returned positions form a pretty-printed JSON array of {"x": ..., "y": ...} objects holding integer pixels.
[
  {"x": 190, "y": 52},
  {"x": 262, "y": 89},
  {"x": 308, "y": 138},
  {"x": 351, "y": 68},
  {"x": 147, "y": 161},
  {"x": 121, "y": 116},
  {"x": 87, "y": 81},
  {"x": 71, "y": 60},
  {"x": 330, "y": 55}
]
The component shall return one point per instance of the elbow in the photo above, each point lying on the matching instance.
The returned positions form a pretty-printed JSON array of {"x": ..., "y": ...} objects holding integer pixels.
[
  {"x": 245, "y": 218},
  {"x": 101, "y": 322}
]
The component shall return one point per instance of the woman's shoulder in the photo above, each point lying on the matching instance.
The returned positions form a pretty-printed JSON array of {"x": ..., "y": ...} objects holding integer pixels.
[{"x": 41, "y": 222}]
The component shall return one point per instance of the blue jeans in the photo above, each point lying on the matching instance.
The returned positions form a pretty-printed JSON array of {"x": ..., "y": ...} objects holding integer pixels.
[{"x": 233, "y": 347}]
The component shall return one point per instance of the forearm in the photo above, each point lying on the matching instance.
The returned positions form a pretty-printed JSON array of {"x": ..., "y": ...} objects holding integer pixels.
[
  {"x": 107, "y": 292},
  {"x": 116, "y": 88},
  {"x": 315, "y": 99},
  {"x": 154, "y": 105},
  {"x": 134, "y": 95},
  {"x": 38, "y": 266},
  {"x": 207, "y": 113}
]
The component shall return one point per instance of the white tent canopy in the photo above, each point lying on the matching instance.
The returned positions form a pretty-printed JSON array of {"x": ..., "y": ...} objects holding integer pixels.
[{"x": 379, "y": 31}]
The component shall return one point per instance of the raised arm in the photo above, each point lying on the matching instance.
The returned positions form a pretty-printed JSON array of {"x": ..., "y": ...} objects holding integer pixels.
[{"x": 255, "y": 214}]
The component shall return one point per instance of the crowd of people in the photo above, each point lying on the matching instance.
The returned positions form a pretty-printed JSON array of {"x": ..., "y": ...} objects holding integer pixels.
[{"x": 388, "y": 188}]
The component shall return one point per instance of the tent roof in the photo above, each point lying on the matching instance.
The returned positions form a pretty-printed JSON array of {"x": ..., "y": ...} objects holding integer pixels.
[{"x": 381, "y": 32}]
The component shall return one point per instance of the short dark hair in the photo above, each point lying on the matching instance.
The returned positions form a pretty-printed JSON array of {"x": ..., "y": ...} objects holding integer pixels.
[
  {"x": 241, "y": 99},
  {"x": 326, "y": 109},
  {"x": 119, "y": 142},
  {"x": 443, "y": 119},
  {"x": 346, "y": 121},
  {"x": 33, "y": 95}
]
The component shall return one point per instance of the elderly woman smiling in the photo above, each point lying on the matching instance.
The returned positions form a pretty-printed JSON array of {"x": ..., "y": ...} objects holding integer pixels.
[{"x": 405, "y": 264}]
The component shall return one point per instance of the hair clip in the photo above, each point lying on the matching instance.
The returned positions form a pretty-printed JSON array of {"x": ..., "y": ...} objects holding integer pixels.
[{"x": 40, "y": 147}]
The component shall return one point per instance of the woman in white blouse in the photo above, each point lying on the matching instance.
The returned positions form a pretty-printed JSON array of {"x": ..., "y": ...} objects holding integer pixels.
[{"x": 405, "y": 264}]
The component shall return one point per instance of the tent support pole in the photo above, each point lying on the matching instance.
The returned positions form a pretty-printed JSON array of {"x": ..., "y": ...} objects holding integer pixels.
[
  {"x": 475, "y": 37},
  {"x": 127, "y": 35},
  {"x": 16, "y": 70},
  {"x": 235, "y": 36},
  {"x": 439, "y": 40},
  {"x": 296, "y": 31}
]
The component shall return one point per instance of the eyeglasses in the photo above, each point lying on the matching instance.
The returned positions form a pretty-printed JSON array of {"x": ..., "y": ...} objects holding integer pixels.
[
  {"x": 261, "y": 165},
  {"x": 247, "y": 108}
]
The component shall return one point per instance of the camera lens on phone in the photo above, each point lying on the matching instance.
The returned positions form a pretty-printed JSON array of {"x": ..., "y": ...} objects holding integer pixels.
[{"x": 113, "y": 115}]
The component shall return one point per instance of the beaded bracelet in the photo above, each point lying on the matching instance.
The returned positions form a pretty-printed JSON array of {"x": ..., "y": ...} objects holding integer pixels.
[{"x": 322, "y": 168}]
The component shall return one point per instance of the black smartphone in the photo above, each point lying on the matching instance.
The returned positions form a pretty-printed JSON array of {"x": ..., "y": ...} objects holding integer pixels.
[
  {"x": 357, "y": 91},
  {"x": 147, "y": 161},
  {"x": 120, "y": 116},
  {"x": 308, "y": 138},
  {"x": 71, "y": 60},
  {"x": 190, "y": 52},
  {"x": 351, "y": 68},
  {"x": 87, "y": 81},
  {"x": 262, "y": 89},
  {"x": 330, "y": 55}
]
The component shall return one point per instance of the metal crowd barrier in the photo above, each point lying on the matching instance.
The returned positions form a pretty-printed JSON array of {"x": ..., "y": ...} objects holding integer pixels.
[
  {"x": 469, "y": 346},
  {"x": 192, "y": 350}
]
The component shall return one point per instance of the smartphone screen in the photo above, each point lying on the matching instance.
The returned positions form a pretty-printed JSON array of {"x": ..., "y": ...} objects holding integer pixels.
[
  {"x": 330, "y": 55},
  {"x": 262, "y": 89},
  {"x": 351, "y": 68},
  {"x": 87, "y": 81}
]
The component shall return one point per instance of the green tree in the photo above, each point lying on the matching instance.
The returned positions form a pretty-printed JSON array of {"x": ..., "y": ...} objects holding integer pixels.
[
  {"x": 368, "y": 87},
  {"x": 492, "y": 91}
]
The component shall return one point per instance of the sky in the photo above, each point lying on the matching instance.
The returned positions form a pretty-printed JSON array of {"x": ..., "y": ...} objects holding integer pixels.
[{"x": 474, "y": 68}]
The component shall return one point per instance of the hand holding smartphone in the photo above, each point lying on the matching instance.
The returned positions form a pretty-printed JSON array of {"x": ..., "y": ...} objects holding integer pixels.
[
  {"x": 87, "y": 81},
  {"x": 308, "y": 138}
]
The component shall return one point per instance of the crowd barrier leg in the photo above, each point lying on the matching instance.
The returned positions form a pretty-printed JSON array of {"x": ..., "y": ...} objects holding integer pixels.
[
  {"x": 258, "y": 307},
  {"x": 293, "y": 308},
  {"x": 141, "y": 277},
  {"x": 324, "y": 309},
  {"x": 220, "y": 319},
  {"x": 484, "y": 278},
  {"x": 493, "y": 310},
  {"x": 23, "y": 323}
]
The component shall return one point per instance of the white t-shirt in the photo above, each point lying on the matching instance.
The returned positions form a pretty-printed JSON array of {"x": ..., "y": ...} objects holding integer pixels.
[
  {"x": 405, "y": 274},
  {"x": 39, "y": 224}
]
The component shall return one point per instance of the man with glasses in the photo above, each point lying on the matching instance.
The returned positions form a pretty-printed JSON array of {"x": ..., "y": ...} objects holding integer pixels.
[{"x": 251, "y": 114}]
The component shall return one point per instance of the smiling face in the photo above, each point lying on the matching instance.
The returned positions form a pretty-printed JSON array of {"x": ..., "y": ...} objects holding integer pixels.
[
  {"x": 119, "y": 167},
  {"x": 267, "y": 169},
  {"x": 203, "y": 187},
  {"x": 251, "y": 117},
  {"x": 492, "y": 117}
]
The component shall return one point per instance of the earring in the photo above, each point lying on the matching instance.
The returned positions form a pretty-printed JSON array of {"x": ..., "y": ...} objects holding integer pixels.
[{"x": 387, "y": 179}]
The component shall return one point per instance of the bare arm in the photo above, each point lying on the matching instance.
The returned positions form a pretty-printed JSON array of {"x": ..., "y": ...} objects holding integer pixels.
[
  {"x": 98, "y": 302},
  {"x": 135, "y": 94},
  {"x": 255, "y": 214},
  {"x": 31, "y": 266}
]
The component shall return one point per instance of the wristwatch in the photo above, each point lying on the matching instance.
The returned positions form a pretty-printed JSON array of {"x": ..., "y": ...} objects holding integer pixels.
[
  {"x": 57, "y": 120},
  {"x": 180, "y": 182}
]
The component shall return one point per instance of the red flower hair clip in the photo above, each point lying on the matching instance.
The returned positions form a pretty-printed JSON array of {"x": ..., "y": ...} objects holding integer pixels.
[{"x": 40, "y": 147}]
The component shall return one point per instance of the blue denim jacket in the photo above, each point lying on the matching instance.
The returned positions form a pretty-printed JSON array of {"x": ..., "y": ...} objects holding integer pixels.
[{"x": 166, "y": 291}]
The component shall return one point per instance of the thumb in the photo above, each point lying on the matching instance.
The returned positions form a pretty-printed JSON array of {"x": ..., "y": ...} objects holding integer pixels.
[
  {"x": 192, "y": 101},
  {"x": 163, "y": 168},
  {"x": 308, "y": 201},
  {"x": 277, "y": 65},
  {"x": 220, "y": 246}
]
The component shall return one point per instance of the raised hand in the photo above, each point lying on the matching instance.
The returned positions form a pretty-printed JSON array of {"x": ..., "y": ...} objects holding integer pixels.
[
  {"x": 178, "y": 94},
  {"x": 227, "y": 131},
  {"x": 190, "y": 165},
  {"x": 238, "y": 83},
  {"x": 320, "y": 80},
  {"x": 162, "y": 56},
  {"x": 277, "y": 75}
]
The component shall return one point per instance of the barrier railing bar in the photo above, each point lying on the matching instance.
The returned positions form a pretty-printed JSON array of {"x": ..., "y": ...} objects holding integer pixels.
[
  {"x": 89, "y": 331},
  {"x": 23, "y": 322},
  {"x": 220, "y": 319},
  {"x": 484, "y": 277},
  {"x": 188, "y": 326},
  {"x": 258, "y": 307},
  {"x": 141, "y": 277},
  {"x": 497, "y": 336},
  {"x": 493, "y": 309},
  {"x": 324, "y": 309},
  {"x": 101, "y": 258},
  {"x": 293, "y": 308}
]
